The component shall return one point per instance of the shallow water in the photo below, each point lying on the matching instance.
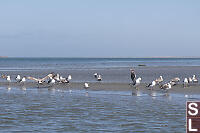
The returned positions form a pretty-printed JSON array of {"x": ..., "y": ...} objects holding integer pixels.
[{"x": 43, "y": 110}]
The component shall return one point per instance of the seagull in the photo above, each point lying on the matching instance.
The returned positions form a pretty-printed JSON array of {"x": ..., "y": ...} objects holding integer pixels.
[
  {"x": 95, "y": 75},
  {"x": 23, "y": 80},
  {"x": 69, "y": 77},
  {"x": 138, "y": 81},
  {"x": 86, "y": 85},
  {"x": 133, "y": 76},
  {"x": 177, "y": 79},
  {"x": 99, "y": 77},
  {"x": 51, "y": 81},
  {"x": 189, "y": 80},
  {"x": 40, "y": 81},
  {"x": 166, "y": 86},
  {"x": 62, "y": 80},
  {"x": 194, "y": 79},
  {"x": 152, "y": 84},
  {"x": 65, "y": 80},
  {"x": 185, "y": 82},
  {"x": 8, "y": 78},
  {"x": 18, "y": 78},
  {"x": 159, "y": 80},
  {"x": 57, "y": 78},
  {"x": 174, "y": 81}
]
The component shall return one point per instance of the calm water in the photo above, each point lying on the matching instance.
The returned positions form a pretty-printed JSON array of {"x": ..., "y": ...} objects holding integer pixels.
[
  {"x": 43, "y": 110},
  {"x": 85, "y": 63}
]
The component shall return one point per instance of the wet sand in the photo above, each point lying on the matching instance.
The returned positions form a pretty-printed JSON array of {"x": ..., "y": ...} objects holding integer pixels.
[
  {"x": 113, "y": 78},
  {"x": 192, "y": 89}
]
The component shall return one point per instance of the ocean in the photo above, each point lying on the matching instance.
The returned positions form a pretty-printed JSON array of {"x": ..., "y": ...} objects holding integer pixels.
[{"x": 89, "y": 63}]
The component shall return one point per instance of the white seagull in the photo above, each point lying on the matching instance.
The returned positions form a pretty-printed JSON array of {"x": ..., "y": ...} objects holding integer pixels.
[
  {"x": 8, "y": 78},
  {"x": 166, "y": 86},
  {"x": 99, "y": 77},
  {"x": 174, "y": 81},
  {"x": 69, "y": 77},
  {"x": 18, "y": 78},
  {"x": 51, "y": 81},
  {"x": 95, "y": 75},
  {"x": 185, "y": 82},
  {"x": 152, "y": 84},
  {"x": 138, "y": 81},
  {"x": 194, "y": 79},
  {"x": 190, "y": 80},
  {"x": 86, "y": 85},
  {"x": 23, "y": 80}
]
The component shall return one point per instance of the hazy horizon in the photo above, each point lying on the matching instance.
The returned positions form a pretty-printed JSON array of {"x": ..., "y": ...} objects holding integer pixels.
[{"x": 103, "y": 28}]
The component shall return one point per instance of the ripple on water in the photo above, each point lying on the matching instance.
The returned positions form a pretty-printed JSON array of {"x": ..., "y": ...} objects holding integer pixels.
[{"x": 99, "y": 111}]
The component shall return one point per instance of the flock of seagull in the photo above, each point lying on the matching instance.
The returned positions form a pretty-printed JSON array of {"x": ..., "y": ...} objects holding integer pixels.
[
  {"x": 158, "y": 81},
  {"x": 50, "y": 79},
  {"x": 53, "y": 78}
]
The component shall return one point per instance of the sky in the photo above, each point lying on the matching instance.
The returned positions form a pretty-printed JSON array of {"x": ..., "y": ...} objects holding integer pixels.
[{"x": 99, "y": 28}]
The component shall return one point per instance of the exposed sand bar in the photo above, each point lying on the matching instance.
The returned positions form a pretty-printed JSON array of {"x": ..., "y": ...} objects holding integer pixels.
[
  {"x": 114, "y": 75},
  {"x": 113, "y": 78}
]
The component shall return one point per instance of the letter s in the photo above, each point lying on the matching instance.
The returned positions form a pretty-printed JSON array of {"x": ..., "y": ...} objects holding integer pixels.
[{"x": 193, "y": 108}]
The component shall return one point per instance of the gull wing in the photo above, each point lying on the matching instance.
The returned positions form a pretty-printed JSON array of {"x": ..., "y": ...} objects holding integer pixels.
[{"x": 32, "y": 78}]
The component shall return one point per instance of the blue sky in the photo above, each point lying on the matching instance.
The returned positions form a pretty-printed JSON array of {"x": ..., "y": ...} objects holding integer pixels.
[{"x": 99, "y": 28}]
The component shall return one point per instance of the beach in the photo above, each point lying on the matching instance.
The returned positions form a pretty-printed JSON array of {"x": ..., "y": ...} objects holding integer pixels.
[{"x": 113, "y": 78}]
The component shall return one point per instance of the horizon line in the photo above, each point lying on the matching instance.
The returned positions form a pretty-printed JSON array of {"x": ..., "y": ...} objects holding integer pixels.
[{"x": 107, "y": 57}]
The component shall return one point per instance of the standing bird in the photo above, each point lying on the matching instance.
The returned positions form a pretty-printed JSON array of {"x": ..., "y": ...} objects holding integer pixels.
[
  {"x": 23, "y": 80},
  {"x": 69, "y": 78},
  {"x": 86, "y": 86},
  {"x": 65, "y": 80},
  {"x": 18, "y": 78},
  {"x": 174, "y": 81},
  {"x": 133, "y": 76},
  {"x": 166, "y": 86},
  {"x": 194, "y": 79},
  {"x": 159, "y": 80},
  {"x": 57, "y": 77},
  {"x": 190, "y": 80},
  {"x": 99, "y": 78},
  {"x": 138, "y": 81},
  {"x": 185, "y": 82},
  {"x": 152, "y": 84},
  {"x": 95, "y": 75},
  {"x": 8, "y": 78},
  {"x": 51, "y": 81}
]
